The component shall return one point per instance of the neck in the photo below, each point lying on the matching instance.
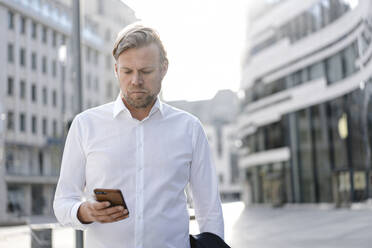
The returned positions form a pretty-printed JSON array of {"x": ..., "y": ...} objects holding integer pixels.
[{"x": 139, "y": 113}]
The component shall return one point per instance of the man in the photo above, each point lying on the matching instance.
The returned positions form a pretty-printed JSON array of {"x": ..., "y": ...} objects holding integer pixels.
[{"x": 147, "y": 149}]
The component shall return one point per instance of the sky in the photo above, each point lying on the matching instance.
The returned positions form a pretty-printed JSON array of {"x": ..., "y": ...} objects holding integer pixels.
[{"x": 204, "y": 40}]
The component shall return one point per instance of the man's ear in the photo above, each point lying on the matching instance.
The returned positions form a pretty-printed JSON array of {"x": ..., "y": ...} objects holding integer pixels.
[{"x": 116, "y": 70}]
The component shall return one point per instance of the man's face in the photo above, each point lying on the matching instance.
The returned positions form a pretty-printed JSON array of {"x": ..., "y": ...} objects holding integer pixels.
[{"x": 140, "y": 73}]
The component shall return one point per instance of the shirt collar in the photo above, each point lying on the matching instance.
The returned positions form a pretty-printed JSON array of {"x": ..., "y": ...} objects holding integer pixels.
[{"x": 119, "y": 106}]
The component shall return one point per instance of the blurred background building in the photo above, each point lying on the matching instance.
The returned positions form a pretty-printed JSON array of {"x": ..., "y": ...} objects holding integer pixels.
[
  {"x": 218, "y": 116},
  {"x": 306, "y": 120},
  {"x": 38, "y": 93}
]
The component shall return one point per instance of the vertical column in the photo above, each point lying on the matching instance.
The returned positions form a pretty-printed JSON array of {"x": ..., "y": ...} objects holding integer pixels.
[
  {"x": 28, "y": 200},
  {"x": 48, "y": 196},
  {"x": 3, "y": 188},
  {"x": 293, "y": 134}
]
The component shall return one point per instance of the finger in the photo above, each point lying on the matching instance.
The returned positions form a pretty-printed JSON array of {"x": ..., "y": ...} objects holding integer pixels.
[
  {"x": 100, "y": 205},
  {"x": 122, "y": 217},
  {"x": 105, "y": 219},
  {"x": 119, "y": 214},
  {"x": 108, "y": 211},
  {"x": 109, "y": 219}
]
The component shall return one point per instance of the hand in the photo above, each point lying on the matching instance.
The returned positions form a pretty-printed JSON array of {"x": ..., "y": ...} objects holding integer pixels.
[{"x": 89, "y": 212}]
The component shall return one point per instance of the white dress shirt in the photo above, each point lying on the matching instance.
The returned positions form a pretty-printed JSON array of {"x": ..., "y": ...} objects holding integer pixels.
[{"x": 151, "y": 162}]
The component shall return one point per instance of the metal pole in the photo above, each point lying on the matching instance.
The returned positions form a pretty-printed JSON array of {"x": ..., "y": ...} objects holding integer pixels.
[
  {"x": 77, "y": 53},
  {"x": 77, "y": 68}
]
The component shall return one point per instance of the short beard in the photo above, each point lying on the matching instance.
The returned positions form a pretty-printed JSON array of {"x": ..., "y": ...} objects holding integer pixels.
[{"x": 139, "y": 103}]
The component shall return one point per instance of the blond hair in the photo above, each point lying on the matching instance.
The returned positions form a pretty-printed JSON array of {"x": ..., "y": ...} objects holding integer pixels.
[{"x": 137, "y": 35}]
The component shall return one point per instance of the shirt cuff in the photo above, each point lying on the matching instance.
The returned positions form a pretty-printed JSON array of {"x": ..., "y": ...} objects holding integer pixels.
[{"x": 75, "y": 220}]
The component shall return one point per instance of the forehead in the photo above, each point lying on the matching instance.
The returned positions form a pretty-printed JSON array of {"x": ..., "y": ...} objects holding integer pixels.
[{"x": 147, "y": 54}]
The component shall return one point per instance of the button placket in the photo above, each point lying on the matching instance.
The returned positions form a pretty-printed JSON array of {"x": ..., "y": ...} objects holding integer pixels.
[{"x": 139, "y": 185}]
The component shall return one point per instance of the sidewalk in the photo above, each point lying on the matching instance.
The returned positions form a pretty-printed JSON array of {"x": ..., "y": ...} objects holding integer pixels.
[
  {"x": 259, "y": 226},
  {"x": 297, "y": 226}
]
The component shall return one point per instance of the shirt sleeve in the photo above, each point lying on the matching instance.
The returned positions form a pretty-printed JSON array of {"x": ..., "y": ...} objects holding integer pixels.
[
  {"x": 204, "y": 187},
  {"x": 71, "y": 183}
]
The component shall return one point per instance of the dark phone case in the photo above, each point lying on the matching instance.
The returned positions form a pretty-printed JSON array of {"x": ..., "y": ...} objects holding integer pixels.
[{"x": 114, "y": 196}]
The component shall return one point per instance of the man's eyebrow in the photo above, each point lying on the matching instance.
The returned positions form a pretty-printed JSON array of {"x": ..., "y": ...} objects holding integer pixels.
[
  {"x": 123, "y": 67},
  {"x": 144, "y": 68}
]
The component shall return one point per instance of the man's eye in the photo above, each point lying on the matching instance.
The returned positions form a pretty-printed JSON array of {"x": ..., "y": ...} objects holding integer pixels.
[
  {"x": 127, "y": 72},
  {"x": 146, "y": 72}
]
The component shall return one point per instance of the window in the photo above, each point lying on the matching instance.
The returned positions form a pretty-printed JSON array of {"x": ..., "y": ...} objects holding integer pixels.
[
  {"x": 22, "y": 57},
  {"x": 365, "y": 40},
  {"x": 33, "y": 61},
  {"x": 335, "y": 10},
  {"x": 316, "y": 71},
  {"x": 45, "y": 126},
  {"x": 41, "y": 163},
  {"x": 325, "y": 12},
  {"x": 44, "y": 65},
  {"x": 22, "y": 122},
  {"x": 63, "y": 40},
  {"x": 10, "y": 20},
  {"x": 45, "y": 96},
  {"x": 349, "y": 57},
  {"x": 334, "y": 68},
  {"x": 10, "y": 120},
  {"x": 10, "y": 89},
  {"x": 321, "y": 150},
  {"x": 274, "y": 135},
  {"x": 23, "y": 25},
  {"x": 305, "y": 155},
  {"x": 303, "y": 25},
  {"x": 34, "y": 124},
  {"x": 274, "y": 87},
  {"x": 34, "y": 30},
  {"x": 10, "y": 53},
  {"x": 54, "y": 40},
  {"x": 354, "y": 103},
  {"x": 54, "y": 128},
  {"x": 63, "y": 73},
  {"x": 298, "y": 78},
  {"x": 316, "y": 17},
  {"x": 45, "y": 35},
  {"x": 22, "y": 89},
  {"x": 54, "y": 68},
  {"x": 33, "y": 93},
  {"x": 54, "y": 96}
]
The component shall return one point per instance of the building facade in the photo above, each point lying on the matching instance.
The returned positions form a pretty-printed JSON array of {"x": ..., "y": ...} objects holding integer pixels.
[
  {"x": 38, "y": 93},
  {"x": 218, "y": 115},
  {"x": 306, "y": 120}
]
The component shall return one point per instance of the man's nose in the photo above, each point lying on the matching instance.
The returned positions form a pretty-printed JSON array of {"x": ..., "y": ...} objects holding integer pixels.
[{"x": 137, "y": 78}]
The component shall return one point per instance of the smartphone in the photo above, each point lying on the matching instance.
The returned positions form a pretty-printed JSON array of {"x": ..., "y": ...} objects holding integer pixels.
[{"x": 114, "y": 196}]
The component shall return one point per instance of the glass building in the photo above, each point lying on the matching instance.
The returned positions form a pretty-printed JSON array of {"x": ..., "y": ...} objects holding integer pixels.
[{"x": 306, "y": 119}]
